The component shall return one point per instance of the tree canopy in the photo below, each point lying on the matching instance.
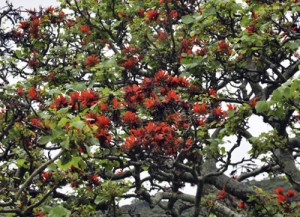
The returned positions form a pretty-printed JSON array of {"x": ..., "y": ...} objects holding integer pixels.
[{"x": 104, "y": 100}]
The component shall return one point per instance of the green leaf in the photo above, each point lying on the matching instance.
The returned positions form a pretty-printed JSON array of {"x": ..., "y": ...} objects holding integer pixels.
[
  {"x": 94, "y": 141},
  {"x": 75, "y": 161},
  {"x": 261, "y": 106},
  {"x": 191, "y": 65},
  {"x": 78, "y": 124},
  {"x": 18, "y": 53},
  {"x": 188, "y": 19},
  {"x": 230, "y": 113},
  {"x": 106, "y": 91},
  {"x": 64, "y": 166},
  {"x": 20, "y": 162},
  {"x": 59, "y": 211},
  {"x": 76, "y": 86},
  {"x": 66, "y": 143},
  {"x": 62, "y": 122},
  {"x": 99, "y": 199},
  {"x": 45, "y": 139}
]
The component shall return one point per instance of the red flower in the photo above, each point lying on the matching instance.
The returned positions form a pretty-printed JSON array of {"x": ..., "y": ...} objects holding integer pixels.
[
  {"x": 172, "y": 96},
  {"x": 103, "y": 136},
  {"x": 103, "y": 121},
  {"x": 161, "y": 36},
  {"x": 141, "y": 12},
  {"x": 224, "y": 47},
  {"x": 91, "y": 60},
  {"x": 149, "y": 103},
  {"x": 35, "y": 23},
  {"x": 241, "y": 205},
  {"x": 222, "y": 194},
  {"x": 39, "y": 214},
  {"x": 202, "y": 110},
  {"x": 32, "y": 94},
  {"x": 91, "y": 118},
  {"x": 130, "y": 62},
  {"x": 103, "y": 107},
  {"x": 202, "y": 51},
  {"x": 129, "y": 143},
  {"x": 46, "y": 176},
  {"x": 85, "y": 29},
  {"x": 69, "y": 23},
  {"x": 130, "y": 118},
  {"x": 281, "y": 199},
  {"x": 173, "y": 14},
  {"x": 291, "y": 193},
  {"x": 116, "y": 104},
  {"x": 32, "y": 63},
  {"x": 88, "y": 98},
  {"x": 218, "y": 111},
  {"x": 279, "y": 190},
  {"x": 24, "y": 25},
  {"x": 59, "y": 102},
  {"x": 95, "y": 179},
  {"x": 74, "y": 97},
  {"x": 152, "y": 14},
  {"x": 253, "y": 102},
  {"x": 201, "y": 122},
  {"x": 231, "y": 107},
  {"x": 20, "y": 91},
  {"x": 250, "y": 29},
  {"x": 212, "y": 92},
  {"x": 36, "y": 122},
  {"x": 50, "y": 9}
]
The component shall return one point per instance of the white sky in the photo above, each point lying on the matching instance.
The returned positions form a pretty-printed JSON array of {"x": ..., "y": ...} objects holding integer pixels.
[{"x": 30, "y": 4}]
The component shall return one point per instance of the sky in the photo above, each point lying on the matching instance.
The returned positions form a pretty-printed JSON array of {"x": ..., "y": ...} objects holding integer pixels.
[{"x": 30, "y": 4}]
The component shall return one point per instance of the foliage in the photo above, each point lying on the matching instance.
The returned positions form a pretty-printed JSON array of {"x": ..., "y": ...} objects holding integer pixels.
[{"x": 138, "y": 99}]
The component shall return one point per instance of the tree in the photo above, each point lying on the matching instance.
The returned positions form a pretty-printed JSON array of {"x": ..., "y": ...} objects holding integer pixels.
[{"x": 138, "y": 99}]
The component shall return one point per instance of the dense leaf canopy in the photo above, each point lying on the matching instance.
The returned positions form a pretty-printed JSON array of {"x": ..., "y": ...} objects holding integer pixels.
[{"x": 103, "y": 100}]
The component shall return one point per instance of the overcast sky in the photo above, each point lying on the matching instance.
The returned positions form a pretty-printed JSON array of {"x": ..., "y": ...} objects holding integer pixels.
[{"x": 30, "y": 4}]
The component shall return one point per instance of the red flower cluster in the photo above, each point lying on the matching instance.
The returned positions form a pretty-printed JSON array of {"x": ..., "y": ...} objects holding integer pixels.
[
  {"x": 32, "y": 94},
  {"x": 33, "y": 26},
  {"x": 85, "y": 29},
  {"x": 155, "y": 91},
  {"x": 36, "y": 122},
  {"x": 161, "y": 36},
  {"x": 91, "y": 60},
  {"x": 20, "y": 90},
  {"x": 281, "y": 197},
  {"x": 87, "y": 98},
  {"x": 222, "y": 194},
  {"x": 46, "y": 176},
  {"x": 103, "y": 123},
  {"x": 186, "y": 46},
  {"x": 95, "y": 179},
  {"x": 130, "y": 62},
  {"x": 156, "y": 137},
  {"x": 130, "y": 118},
  {"x": 40, "y": 214},
  {"x": 130, "y": 50},
  {"x": 59, "y": 102},
  {"x": 241, "y": 205},
  {"x": 152, "y": 15},
  {"x": 200, "y": 109},
  {"x": 177, "y": 120},
  {"x": 224, "y": 47}
]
